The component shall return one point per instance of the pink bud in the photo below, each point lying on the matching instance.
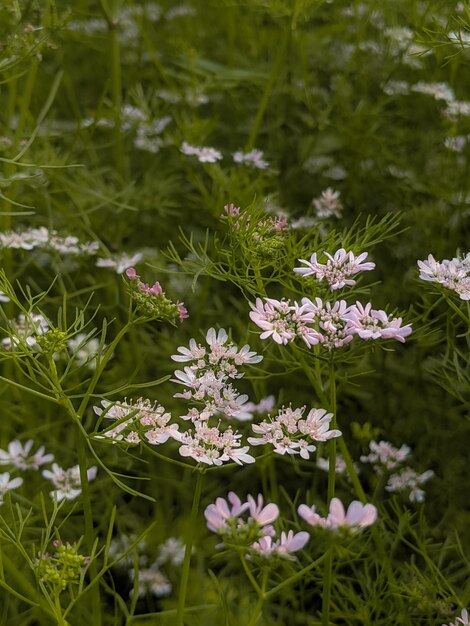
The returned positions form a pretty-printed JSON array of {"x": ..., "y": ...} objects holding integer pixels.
[
  {"x": 183, "y": 312},
  {"x": 144, "y": 287},
  {"x": 156, "y": 290},
  {"x": 131, "y": 273}
]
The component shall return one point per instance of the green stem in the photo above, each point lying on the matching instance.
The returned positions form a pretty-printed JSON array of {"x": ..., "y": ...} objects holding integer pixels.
[
  {"x": 261, "y": 599},
  {"x": 332, "y": 444},
  {"x": 86, "y": 500},
  {"x": 250, "y": 576},
  {"x": 292, "y": 579},
  {"x": 328, "y": 574},
  {"x": 188, "y": 549},
  {"x": 326, "y": 596},
  {"x": 275, "y": 73},
  {"x": 116, "y": 86}
]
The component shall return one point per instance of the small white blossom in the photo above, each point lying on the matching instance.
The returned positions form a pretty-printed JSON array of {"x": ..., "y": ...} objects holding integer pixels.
[
  {"x": 203, "y": 153},
  {"x": 7, "y": 485},
  {"x": 67, "y": 482},
  {"x": 19, "y": 456},
  {"x": 409, "y": 479},
  {"x": 121, "y": 262},
  {"x": 254, "y": 158}
]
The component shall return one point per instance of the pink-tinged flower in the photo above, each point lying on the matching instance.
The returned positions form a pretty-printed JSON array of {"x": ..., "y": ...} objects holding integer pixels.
[
  {"x": 8, "y": 485},
  {"x": 357, "y": 516},
  {"x": 288, "y": 433},
  {"x": 283, "y": 547},
  {"x": 328, "y": 204},
  {"x": 182, "y": 311},
  {"x": 452, "y": 274},
  {"x": 263, "y": 515},
  {"x": 310, "y": 515},
  {"x": 385, "y": 455},
  {"x": 131, "y": 273},
  {"x": 338, "y": 269},
  {"x": 219, "y": 513},
  {"x": 316, "y": 425},
  {"x": 156, "y": 289},
  {"x": 283, "y": 322},
  {"x": 369, "y": 323}
]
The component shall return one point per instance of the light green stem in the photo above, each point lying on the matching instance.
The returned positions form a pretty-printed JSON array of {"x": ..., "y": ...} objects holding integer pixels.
[
  {"x": 116, "y": 86},
  {"x": 261, "y": 599},
  {"x": 188, "y": 549},
  {"x": 327, "y": 578},
  {"x": 86, "y": 501}
]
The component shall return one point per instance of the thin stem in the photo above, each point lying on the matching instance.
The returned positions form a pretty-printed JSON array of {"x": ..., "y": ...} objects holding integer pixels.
[
  {"x": 86, "y": 500},
  {"x": 261, "y": 599},
  {"x": 328, "y": 574},
  {"x": 188, "y": 549},
  {"x": 116, "y": 94},
  {"x": 251, "y": 578},
  {"x": 292, "y": 579},
  {"x": 326, "y": 596}
]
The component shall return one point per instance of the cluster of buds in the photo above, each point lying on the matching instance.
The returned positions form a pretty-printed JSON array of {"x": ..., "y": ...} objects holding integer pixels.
[
  {"x": 267, "y": 233},
  {"x": 152, "y": 302},
  {"x": 62, "y": 568}
]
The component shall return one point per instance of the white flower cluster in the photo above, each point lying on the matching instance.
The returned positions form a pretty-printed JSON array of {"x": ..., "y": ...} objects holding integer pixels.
[
  {"x": 409, "y": 480},
  {"x": 67, "y": 482},
  {"x": 206, "y": 154},
  {"x": 19, "y": 456},
  {"x": 254, "y": 158},
  {"x": 338, "y": 270},
  {"x": 120, "y": 262},
  {"x": 328, "y": 204},
  {"x": 207, "y": 383},
  {"x": 250, "y": 525},
  {"x": 289, "y": 432},
  {"x": 383, "y": 455},
  {"x": 135, "y": 421},
  {"x": 48, "y": 240},
  {"x": 84, "y": 350},
  {"x": 331, "y": 325},
  {"x": 452, "y": 274}
]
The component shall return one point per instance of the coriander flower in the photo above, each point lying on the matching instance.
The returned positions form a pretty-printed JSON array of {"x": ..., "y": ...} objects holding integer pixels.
[
  {"x": 452, "y": 274},
  {"x": 18, "y": 456},
  {"x": 338, "y": 269},
  {"x": 356, "y": 517},
  {"x": 409, "y": 479},
  {"x": 384, "y": 455},
  {"x": 283, "y": 547},
  {"x": 121, "y": 262},
  {"x": 288, "y": 432},
  {"x": 254, "y": 158},
  {"x": 328, "y": 204},
  {"x": 7, "y": 485},
  {"x": 369, "y": 323},
  {"x": 204, "y": 154},
  {"x": 67, "y": 482},
  {"x": 284, "y": 322}
]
